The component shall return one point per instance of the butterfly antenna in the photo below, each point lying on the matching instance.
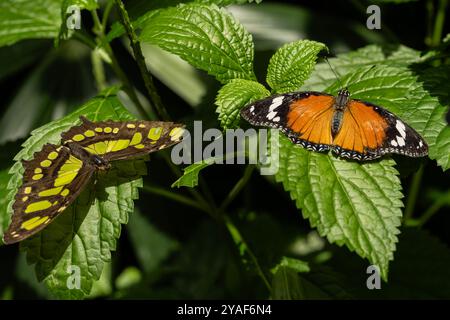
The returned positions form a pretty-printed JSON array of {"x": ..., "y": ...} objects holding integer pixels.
[{"x": 338, "y": 78}]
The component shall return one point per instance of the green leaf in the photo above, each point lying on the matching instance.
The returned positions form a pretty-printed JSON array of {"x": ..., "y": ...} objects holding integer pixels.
[
  {"x": 24, "y": 19},
  {"x": 4, "y": 179},
  {"x": 147, "y": 9},
  {"x": 286, "y": 285},
  {"x": 64, "y": 32},
  {"x": 295, "y": 264},
  {"x": 366, "y": 196},
  {"x": 433, "y": 102},
  {"x": 207, "y": 37},
  {"x": 129, "y": 277},
  {"x": 322, "y": 77},
  {"x": 291, "y": 65},
  {"x": 293, "y": 279},
  {"x": 86, "y": 232},
  {"x": 350, "y": 203},
  {"x": 190, "y": 175},
  {"x": 233, "y": 96}
]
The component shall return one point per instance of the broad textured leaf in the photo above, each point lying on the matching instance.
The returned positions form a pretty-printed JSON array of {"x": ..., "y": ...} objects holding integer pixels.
[
  {"x": 24, "y": 19},
  {"x": 322, "y": 76},
  {"x": 233, "y": 96},
  {"x": 350, "y": 203},
  {"x": 190, "y": 174},
  {"x": 359, "y": 204},
  {"x": 86, "y": 232},
  {"x": 147, "y": 9},
  {"x": 207, "y": 37},
  {"x": 434, "y": 99},
  {"x": 291, "y": 65}
]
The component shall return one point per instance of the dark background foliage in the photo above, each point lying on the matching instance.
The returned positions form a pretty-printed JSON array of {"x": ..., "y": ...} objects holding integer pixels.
[{"x": 169, "y": 250}]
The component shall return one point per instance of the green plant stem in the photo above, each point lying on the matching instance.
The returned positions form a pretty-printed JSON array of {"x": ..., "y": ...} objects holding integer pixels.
[
  {"x": 98, "y": 71},
  {"x": 431, "y": 211},
  {"x": 175, "y": 197},
  {"x": 430, "y": 10},
  {"x": 127, "y": 87},
  {"x": 238, "y": 186},
  {"x": 85, "y": 39},
  {"x": 148, "y": 79},
  {"x": 439, "y": 23},
  {"x": 197, "y": 196},
  {"x": 239, "y": 241},
  {"x": 106, "y": 13},
  {"x": 413, "y": 192}
]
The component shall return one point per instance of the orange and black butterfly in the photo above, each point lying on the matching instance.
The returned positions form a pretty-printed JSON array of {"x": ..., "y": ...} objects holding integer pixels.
[
  {"x": 351, "y": 128},
  {"x": 57, "y": 174}
]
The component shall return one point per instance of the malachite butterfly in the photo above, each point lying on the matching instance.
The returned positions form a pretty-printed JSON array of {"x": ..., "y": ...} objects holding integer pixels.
[{"x": 57, "y": 174}]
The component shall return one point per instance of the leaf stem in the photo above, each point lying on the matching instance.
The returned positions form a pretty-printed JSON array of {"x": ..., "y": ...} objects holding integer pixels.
[
  {"x": 238, "y": 187},
  {"x": 98, "y": 71},
  {"x": 83, "y": 38},
  {"x": 127, "y": 87},
  {"x": 175, "y": 197},
  {"x": 413, "y": 192},
  {"x": 439, "y": 23},
  {"x": 240, "y": 242},
  {"x": 106, "y": 13},
  {"x": 148, "y": 79},
  {"x": 197, "y": 195},
  {"x": 431, "y": 211}
]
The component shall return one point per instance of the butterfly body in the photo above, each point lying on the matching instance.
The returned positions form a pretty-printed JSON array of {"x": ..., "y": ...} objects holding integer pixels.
[
  {"x": 350, "y": 128},
  {"x": 57, "y": 174},
  {"x": 95, "y": 161}
]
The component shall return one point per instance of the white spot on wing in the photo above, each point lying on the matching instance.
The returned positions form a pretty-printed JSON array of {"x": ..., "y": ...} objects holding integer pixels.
[
  {"x": 276, "y": 102},
  {"x": 401, "y": 128},
  {"x": 420, "y": 143},
  {"x": 271, "y": 115},
  {"x": 394, "y": 143},
  {"x": 276, "y": 119},
  {"x": 401, "y": 141},
  {"x": 252, "y": 108}
]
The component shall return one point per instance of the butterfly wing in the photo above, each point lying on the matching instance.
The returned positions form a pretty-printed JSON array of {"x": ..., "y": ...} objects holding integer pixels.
[
  {"x": 51, "y": 182},
  {"x": 123, "y": 140},
  {"x": 305, "y": 117},
  {"x": 369, "y": 131}
]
